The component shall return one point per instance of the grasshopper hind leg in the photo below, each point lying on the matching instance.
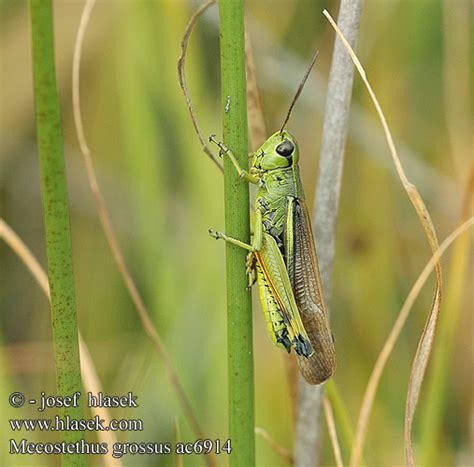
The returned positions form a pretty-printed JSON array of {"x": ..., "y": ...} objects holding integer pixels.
[
  {"x": 280, "y": 333},
  {"x": 303, "y": 346},
  {"x": 283, "y": 339},
  {"x": 300, "y": 344}
]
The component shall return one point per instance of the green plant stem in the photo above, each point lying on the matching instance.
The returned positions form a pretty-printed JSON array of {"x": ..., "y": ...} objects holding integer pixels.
[
  {"x": 239, "y": 306},
  {"x": 56, "y": 217},
  {"x": 341, "y": 416}
]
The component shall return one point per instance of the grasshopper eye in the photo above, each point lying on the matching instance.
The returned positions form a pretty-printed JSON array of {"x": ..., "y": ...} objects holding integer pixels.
[{"x": 286, "y": 148}]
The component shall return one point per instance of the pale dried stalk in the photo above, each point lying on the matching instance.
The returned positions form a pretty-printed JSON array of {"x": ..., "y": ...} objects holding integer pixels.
[
  {"x": 331, "y": 159},
  {"x": 257, "y": 128},
  {"x": 178, "y": 458},
  {"x": 90, "y": 378},
  {"x": 426, "y": 341},
  {"x": 280, "y": 450},
  {"x": 332, "y": 431},
  {"x": 109, "y": 232}
]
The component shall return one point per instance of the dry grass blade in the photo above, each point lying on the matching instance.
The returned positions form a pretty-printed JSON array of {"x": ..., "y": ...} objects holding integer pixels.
[
  {"x": 393, "y": 336},
  {"x": 182, "y": 79},
  {"x": 280, "y": 450},
  {"x": 112, "y": 239},
  {"x": 332, "y": 431},
  {"x": 89, "y": 374},
  {"x": 438, "y": 385},
  {"x": 467, "y": 199},
  {"x": 424, "y": 348},
  {"x": 179, "y": 458},
  {"x": 422, "y": 355},
  {"x": 257, "y": 128}
]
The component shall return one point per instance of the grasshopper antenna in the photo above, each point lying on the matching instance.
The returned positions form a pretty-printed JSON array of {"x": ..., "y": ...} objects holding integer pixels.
[{"x": 300, "y": 88}]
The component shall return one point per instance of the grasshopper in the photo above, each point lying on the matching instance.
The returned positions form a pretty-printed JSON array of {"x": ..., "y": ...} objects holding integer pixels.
[{"x": 283, "y": 255}]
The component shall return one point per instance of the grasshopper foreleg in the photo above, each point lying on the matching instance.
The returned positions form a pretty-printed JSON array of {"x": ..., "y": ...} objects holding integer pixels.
[{"x": 225, "y": 151}]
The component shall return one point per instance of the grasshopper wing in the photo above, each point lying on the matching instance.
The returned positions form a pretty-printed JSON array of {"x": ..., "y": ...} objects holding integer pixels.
[
  {"x": 303, "y": 269},
  {"x": 277, "y": 299}
]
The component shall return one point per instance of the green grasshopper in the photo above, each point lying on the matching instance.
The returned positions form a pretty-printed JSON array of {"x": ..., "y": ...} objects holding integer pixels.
[{"x": 283, "y": 254}]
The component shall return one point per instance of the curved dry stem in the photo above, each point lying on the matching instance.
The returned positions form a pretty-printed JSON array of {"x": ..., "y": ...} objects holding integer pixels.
[
  {"x": 177, "y": 431},
  {"x": 384, "y": 355},
  {"x": 90, "y": 377},
  {"x": 109, "y": 232},
  {"x": 468, "y": 201},
  {"x": 435, "y": 399},
  {"x": 332, "y": 431},
  {"x": 420, "y": 360},
  {"x": 257, "y": 128},
  {"x": 182, "y": 79},
  {"x": 274, "y": 446}
]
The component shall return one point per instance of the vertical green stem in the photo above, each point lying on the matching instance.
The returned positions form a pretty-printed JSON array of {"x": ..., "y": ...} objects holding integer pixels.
[
  {"x": 56, "y": 216},
  {"x": 239, "y": 306}
]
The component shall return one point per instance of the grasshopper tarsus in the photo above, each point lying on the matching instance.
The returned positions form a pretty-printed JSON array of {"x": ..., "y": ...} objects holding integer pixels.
[
  {"x": 222, "y": 148},
  {"x": 252, "y": 281},
  {"x": 214, "y": 234}
]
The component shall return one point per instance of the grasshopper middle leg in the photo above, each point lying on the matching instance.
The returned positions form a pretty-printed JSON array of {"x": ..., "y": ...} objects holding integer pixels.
[
  {"x": 225, "y": 151},
  {"x": 249, "y": 261},
  {"x": 251, "y": 248}
]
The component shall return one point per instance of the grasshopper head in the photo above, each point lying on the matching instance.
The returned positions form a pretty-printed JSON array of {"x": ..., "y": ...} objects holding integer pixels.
[{"x": 280, "y": 151}]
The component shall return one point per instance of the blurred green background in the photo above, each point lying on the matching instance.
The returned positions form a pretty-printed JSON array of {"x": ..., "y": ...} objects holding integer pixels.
[{"x": 163, "y": 194}]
